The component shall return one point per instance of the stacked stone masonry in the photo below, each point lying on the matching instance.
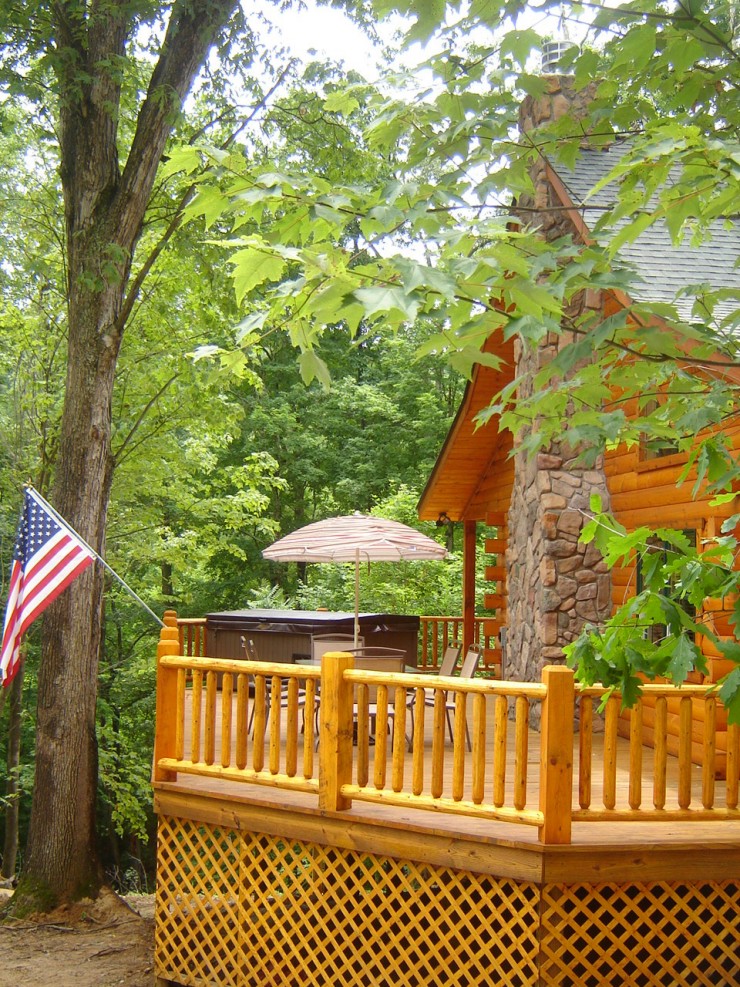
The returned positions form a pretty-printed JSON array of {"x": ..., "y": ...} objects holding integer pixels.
[{"x": 555, "y": 584}]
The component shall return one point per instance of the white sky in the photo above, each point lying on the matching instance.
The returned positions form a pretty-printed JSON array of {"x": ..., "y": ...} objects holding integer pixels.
[{"x": 319, "y": 30}]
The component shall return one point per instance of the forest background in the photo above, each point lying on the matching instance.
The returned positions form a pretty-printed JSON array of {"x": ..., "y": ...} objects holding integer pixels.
[
  {"x": 287, "y": 194},
  {"x": 216, "y": 456}
]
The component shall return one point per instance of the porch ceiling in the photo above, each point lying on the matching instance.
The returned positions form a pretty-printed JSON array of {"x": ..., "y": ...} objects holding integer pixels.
[{"x": 468, "y": 449}]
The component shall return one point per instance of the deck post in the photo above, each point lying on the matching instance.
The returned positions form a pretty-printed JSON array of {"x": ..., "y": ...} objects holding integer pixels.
[
  {"x": 336, "y": 719},
  {"x": 166, "y": 709},
  {"x": 470, "y": 529},
  {"x": 556, "y": 754}
]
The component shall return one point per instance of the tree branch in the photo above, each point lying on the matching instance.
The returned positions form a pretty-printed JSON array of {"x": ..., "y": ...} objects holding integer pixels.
[
  {"x": 143, "y": 272},
  {"x": 191, "y": 31}
]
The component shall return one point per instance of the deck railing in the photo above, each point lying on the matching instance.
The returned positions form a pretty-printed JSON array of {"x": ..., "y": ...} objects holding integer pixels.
[
  {"x": 192, "y": 636},
  {"x": 262, "y": 723},
  {"x": 222, "y": 718},
  {"x": 435, "y": 633},
  {"x": 660, "y": 769},
  {"x": 467, "y": 782}
]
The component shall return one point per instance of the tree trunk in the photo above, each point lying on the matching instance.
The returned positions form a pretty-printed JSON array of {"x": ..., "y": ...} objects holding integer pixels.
[
  {"x": 12, "y": 813},
  {"x": 104, "y": 210}
]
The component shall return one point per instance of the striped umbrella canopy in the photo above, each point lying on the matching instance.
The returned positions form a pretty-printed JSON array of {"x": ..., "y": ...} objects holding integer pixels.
[{"x": 355, "y": 538}]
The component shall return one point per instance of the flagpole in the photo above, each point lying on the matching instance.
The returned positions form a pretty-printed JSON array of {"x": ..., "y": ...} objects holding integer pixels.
[{"x": 100, "y": 559}]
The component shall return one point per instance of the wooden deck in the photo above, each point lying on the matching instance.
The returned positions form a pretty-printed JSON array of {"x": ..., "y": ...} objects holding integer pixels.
[
  {"x": 668, "y": 848},
  {"x": 370, "y": 865}
]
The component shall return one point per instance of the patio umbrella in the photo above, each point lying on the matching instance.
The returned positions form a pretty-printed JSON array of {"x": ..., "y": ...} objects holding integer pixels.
[{"x": 355, "y": 538}]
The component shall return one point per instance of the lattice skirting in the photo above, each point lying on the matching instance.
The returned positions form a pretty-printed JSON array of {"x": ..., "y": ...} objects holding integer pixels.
[
  {"x": 662, "y": 934},
  {"x": 242, "y": 909}
]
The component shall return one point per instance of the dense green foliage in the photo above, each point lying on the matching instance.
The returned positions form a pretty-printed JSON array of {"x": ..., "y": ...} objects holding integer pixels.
[
  {"x": 666, "y": 75},
  {"x": 215, "y": 455},
  {"x": 369, "y": 229}
]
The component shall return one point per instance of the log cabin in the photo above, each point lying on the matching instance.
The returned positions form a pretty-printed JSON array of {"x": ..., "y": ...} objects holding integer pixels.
[
  {"x": 310, "y": 841},
  {"x": 543, "y": 585}
]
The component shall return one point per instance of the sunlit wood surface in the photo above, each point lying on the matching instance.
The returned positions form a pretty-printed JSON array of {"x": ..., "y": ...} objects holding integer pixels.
[{"x": 655, "y": 832}]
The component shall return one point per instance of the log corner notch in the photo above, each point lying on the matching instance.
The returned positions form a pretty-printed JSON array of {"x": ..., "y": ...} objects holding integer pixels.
[{"x": 166, "y": 699}]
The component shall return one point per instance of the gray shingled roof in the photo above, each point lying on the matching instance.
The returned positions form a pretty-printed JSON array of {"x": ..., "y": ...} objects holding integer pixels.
[{"x": 662, "y": 268}]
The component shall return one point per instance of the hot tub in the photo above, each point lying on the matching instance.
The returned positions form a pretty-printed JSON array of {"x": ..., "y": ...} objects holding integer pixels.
[{"x": 287, "y": 635}]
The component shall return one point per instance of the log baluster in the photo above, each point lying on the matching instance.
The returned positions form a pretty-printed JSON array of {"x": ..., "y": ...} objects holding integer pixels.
[
  {"x": 635, "y": 771},
  {"x": 660, "y": 757},
  {"x": 585, "y": 751},
  {"x": 521, "y": 750},
  {"x": 709, "y": 753},
  {"x": 500, "y": 736}
]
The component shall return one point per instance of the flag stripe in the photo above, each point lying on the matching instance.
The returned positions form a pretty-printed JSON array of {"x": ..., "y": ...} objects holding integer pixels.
[
  {"x": 48, "y": 556},
  {"x": 15, "y": 585},
  {"x": 35, "y": 604},
  {"x": 44, "y": 574}
]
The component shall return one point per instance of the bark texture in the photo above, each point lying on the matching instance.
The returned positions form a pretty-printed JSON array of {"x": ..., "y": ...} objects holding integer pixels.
[{"x": 104, "y": 210}]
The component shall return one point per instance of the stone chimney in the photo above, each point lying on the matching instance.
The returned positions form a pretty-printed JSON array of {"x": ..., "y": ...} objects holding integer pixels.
[{"x": 555, "y": 584}]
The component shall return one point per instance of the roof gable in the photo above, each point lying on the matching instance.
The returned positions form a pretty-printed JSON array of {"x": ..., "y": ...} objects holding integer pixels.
[{"x": 662, "y": 268}]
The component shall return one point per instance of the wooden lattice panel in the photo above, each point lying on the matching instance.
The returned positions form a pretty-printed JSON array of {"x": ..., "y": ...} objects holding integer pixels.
[
  {"x": 249, "y": 909},
  {"x": 197, "y": 936},
  {"x": 657, "y": 935}
]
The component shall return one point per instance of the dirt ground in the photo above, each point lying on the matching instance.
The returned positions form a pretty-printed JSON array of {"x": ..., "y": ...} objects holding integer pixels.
[{"x": 93, "y": 944}]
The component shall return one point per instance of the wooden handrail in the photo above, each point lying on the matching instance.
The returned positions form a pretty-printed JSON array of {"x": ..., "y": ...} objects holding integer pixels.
[{"x": 260, "y": 742}]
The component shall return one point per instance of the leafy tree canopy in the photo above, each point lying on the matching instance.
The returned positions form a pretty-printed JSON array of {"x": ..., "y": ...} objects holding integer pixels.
[{"x": 437, "y": 235}]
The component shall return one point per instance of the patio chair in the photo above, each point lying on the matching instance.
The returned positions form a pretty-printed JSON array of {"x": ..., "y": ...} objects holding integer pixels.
[
  {"x": 251, "y": 651},
  {"x": 467, "y": 671},
  {"x": 321, "y": 643},
  {"x": 449, "y": 660},
  {"x": 375, "y": 658},
  {"x": 446, "y": 667}
]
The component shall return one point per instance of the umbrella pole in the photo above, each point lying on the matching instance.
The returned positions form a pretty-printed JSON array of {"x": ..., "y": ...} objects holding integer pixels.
[{"x": 357, "y": 598}]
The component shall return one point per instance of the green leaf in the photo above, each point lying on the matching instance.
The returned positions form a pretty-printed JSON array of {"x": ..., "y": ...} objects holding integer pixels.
[
  {"x": 533, "y": 299},
  {"x": 683, "y": 659},
  {"x": 383, "y": 299},
  {"x": 312, "y": 367},
  {"x": 341, "y": 101},
  {"x": 254, "y": 266},
  {"x": 332, "y": 216},
  {"x": 429, "y": 14},
  {"x": 209, "y": 202},
  {"x": 520, "y": 44},
  {"x": 729, "y": 693},
  {"x": 185, "y": 158},
  {"x": 417, "y": 275},
  {"x": 631, "y": 231},
  {"x": 639, "y": 47},
  {"x": 256, "y": 320}
]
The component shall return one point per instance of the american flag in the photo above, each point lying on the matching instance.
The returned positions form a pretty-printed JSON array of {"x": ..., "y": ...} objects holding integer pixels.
[{"x": 48, "y": 556}]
